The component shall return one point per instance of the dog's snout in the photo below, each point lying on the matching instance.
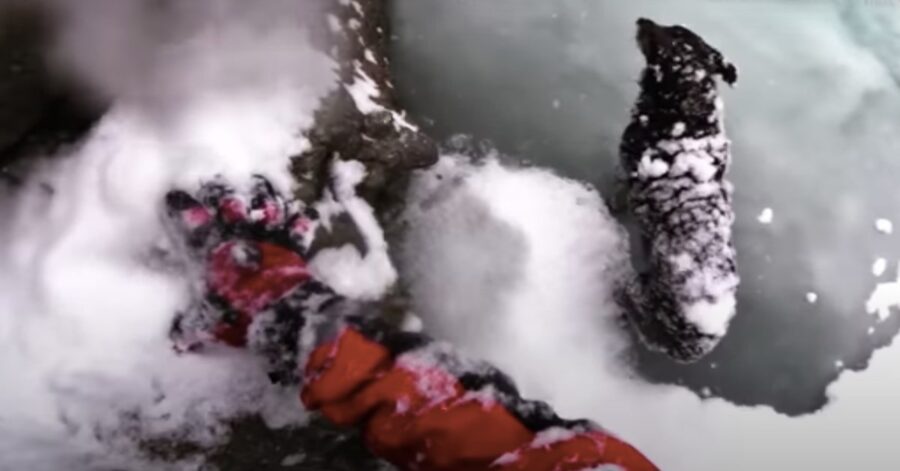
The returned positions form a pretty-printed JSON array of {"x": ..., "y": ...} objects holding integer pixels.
[
  {"x": 650, "y": 37},
  {"x": 646, "y": 29}
]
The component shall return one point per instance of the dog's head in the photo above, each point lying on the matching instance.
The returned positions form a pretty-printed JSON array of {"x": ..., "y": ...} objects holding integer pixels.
[{"x": 678, "y": 51}]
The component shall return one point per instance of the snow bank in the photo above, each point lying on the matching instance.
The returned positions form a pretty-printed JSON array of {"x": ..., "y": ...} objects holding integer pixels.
[
  {"x": 86, "y": 365},
  {"x": 514, "y": 265}
]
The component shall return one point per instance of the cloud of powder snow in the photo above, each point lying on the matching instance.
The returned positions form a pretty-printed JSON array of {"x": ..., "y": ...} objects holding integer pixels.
[{"x": 198, "y": 88}]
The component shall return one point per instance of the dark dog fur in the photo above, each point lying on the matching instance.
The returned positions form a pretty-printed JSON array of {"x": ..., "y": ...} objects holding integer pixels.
[{"x": 675, "y": 155}]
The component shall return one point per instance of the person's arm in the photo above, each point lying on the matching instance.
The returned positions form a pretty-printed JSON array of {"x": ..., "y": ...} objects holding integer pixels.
[{"x": 419, "y": 404}]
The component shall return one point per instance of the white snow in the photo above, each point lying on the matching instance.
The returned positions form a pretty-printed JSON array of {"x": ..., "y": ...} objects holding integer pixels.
[
  {"x": 812, "y": 297},
  {"x": 649, "y": 167},
  {"x": 766, "y": 216},
  {"x": 884, "y": 297},
  {"x": 370, "y": 56},
  {"x": 434, "y": 384},
  {"x": 85, "y": 359},
  {"x": 551, "y": 436},
  {"x": 484, "y": 253},
  {"x": 334, "y": 24},
  {"x": 412, "y": 323},
  {"x": 507, "y": 458},
  {"x": 361, "y": 276},
  {"x": 364, "y": 90},
  {"x": 682, "y": 262},
  {"x": 713, "y": 318},
  {"x": 879, "y": 266},
  {"x": 357, "y": 7},
  {"x": 697, "y": 156},
  {"x": 884, "y": 226}
]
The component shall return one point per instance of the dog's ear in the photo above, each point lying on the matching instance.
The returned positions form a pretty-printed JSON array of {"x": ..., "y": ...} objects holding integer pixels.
[{"x": 728, "y": 72}]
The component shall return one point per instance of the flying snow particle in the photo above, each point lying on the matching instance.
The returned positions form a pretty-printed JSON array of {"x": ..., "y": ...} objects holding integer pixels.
[
  {"x": 766, "y": 216},
  {"x": 879, "y": 267},
  {"x": 412, "y": 323},
  {"x": 884, "y": 297},
  {"x": 885, "y": 226},
  {"x": 370, "y": 56},
  {"x": 812, "y": 297}
]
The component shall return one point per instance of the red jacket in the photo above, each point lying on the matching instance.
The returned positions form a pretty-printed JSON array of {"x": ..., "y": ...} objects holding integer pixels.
[{"x": 419, "y": 404}]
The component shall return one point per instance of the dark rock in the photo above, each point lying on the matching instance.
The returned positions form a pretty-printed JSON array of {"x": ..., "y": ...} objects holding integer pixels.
[
  {"x": 318, "y": 447},
  {"x": 252, "y": 445},
  {"x": 41, "y": 107},
  {"x": 381, "y": 139}
]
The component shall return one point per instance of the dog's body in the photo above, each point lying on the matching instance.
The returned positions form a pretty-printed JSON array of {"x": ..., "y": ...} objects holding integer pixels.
[{"x": 675, "y": 154}]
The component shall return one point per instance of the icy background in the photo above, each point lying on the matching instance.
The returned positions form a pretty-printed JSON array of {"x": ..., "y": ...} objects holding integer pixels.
[{"x": 813, "y": 120}]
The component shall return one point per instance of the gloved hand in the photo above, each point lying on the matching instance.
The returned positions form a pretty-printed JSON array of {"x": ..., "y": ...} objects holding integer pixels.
[
  {"x": 247, "y": 252},
  {"x": 419, "y": 404}
]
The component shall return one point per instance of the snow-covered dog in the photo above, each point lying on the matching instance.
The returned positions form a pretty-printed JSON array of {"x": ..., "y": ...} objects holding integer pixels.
[{"x": 675, "y": 154}]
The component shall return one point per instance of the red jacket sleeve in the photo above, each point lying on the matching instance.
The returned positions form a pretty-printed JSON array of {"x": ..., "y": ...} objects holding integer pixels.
[{"x": 423, "y": 408}]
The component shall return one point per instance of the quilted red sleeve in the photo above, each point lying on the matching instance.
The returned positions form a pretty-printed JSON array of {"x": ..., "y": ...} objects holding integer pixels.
[{"x": 425, "y": 410}]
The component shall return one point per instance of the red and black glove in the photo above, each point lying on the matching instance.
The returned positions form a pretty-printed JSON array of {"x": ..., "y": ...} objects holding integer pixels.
[
  {"x": 248, "y": 252},
  {"x": 419, "y": 404}
]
